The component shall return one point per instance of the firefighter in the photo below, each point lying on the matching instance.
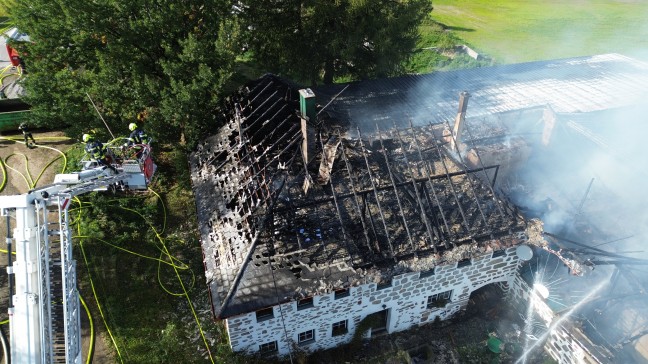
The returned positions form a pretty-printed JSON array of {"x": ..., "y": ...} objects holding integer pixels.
[
  {"x": 97, "y": 151},
  {"x": 27, "y": 135},
  {"x": 137, "y": 139}
]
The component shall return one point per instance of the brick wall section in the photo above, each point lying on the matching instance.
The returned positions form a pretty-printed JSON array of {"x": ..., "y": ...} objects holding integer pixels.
[{"x": 405, "y": 300}]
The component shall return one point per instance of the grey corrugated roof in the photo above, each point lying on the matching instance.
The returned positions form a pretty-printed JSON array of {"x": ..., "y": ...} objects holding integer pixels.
[{"x": 574, "y": 85}]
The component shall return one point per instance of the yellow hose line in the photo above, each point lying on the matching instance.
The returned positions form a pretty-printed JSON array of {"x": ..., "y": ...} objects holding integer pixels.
[
  {"x": 4, "y": 175},
  {"x": 31, "y": 183},
  {"x": 163, "y": 253},
  {"x": 183, "y": 266},
  {"x": 94, "y": 292},
  {"x": 4, "y": 322},
  {"x": 54, "y": 160},
  {"x": 168, "y": 254},
  {"x": 19, "y": 138},
  {"x": 186, "y": 294},
  {"x": 6, "y": 67},
  {"x": 27, "y": 181},
  {"x": 92, "y": 333}
]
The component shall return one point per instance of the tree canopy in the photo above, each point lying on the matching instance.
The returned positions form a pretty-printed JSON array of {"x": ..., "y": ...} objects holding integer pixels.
[
  {"x": 170, "y": 60},
  {"x": 166, "y": 60},
  {"x": 316, "y": 40}
]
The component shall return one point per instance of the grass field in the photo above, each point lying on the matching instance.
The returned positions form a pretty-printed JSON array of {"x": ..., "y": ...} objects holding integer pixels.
[{"x": 512, "y": 31}]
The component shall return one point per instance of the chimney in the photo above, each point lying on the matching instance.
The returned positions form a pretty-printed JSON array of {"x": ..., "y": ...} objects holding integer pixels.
[
  {"x": 457, "y": 129},
  {"x": 307, "y": 104},
  {"x": 307, "y": 111}
]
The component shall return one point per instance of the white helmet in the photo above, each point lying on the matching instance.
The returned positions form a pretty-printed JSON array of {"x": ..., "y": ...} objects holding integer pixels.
[{"x": 132, "y": 126}]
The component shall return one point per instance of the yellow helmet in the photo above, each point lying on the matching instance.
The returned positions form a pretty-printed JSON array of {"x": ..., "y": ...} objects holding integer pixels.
[
  {"x": 87, "y": 137},
  {"x": 132, "y": 126}
]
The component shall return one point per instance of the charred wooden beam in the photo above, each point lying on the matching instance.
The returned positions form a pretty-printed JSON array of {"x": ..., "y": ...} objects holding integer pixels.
[
  {"x": 355, "y": 196},
  {"x": 491, "y": 186},
  {"x": 422, "y": 213},
  {"x": 387, "y": 187},
  {"x": 470, "y": 181},
  {"x": 373, "y": 185},
  {"x": 452, "y": 188},
  {"x": 365, "y": 207},
  {"x": 337, "y": 209},
  {"x": 393, "y": 182},
  {"x": 429, "y": 178}
]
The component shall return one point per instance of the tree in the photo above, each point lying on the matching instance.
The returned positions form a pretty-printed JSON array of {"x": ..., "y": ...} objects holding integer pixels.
[
  {"x": 321, "y": 39},
  {"x": 167, "y": 59}
]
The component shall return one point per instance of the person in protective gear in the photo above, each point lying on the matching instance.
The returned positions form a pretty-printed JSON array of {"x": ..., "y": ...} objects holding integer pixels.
[
  {"x": 137, "y": 139},
  {"x": 97, "y": 151},
  {"x": 27, "y": 135}
]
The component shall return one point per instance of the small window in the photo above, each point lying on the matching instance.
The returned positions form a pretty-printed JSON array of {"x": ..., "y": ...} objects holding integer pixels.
[
  {"x": 306, "y": 337},
  {"x": 265, "y": 314},
  {"x": 305, "y": 303},
  {"x": 427, "y": 273},
  {"x": 439, "y": 299},
  {"x": 383, "y": 285},
  {"x": 341, "y": 293},
  {"x": 464, "y": 263},
  {"x": 267, "y": 348},
  {"x": 340, "y": 328},
  {"x": 499, "y": 253}
]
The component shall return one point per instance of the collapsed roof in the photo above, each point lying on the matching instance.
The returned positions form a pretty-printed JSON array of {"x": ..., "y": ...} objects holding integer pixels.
[{"x": 289, "y": 210}]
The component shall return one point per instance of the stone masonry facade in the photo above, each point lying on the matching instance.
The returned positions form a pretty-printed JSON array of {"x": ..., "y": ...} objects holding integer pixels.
[
  {"x": 414, "y": 298},
  {"x": 565, "y": 343}
]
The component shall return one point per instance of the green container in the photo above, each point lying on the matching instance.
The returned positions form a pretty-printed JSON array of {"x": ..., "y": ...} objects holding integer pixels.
[
  {"x": 11, "y": 119},
  {"x": 494, "y": 344},
  {"x": 307, "y": 103},
  {"x": 12, "y": 113}
]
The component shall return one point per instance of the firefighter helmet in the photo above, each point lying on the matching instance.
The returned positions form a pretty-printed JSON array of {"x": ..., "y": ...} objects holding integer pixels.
[
  {"x": 132, "y": 126},
  {"x": 87, "y": 137}
]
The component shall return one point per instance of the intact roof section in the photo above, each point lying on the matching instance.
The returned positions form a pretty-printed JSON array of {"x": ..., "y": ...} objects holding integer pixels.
[
  {"x": 278, "y": 225},
  {"x": 573, "y": 85}
]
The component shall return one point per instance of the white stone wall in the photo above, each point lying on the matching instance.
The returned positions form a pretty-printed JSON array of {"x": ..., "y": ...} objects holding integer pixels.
[
  {"x": 405, "y": 300},
  {"x": 560, "y": 343}
]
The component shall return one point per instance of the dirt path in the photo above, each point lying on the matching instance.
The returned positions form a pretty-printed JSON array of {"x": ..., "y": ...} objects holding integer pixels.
[{"x": 26, "y": 168}]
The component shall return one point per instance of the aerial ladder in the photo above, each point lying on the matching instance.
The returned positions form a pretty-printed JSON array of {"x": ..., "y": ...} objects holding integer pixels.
[{"x": 44, "y": 309}]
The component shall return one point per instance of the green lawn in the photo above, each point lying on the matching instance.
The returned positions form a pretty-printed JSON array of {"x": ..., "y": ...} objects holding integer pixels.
[{"x": 512, "y": 31}]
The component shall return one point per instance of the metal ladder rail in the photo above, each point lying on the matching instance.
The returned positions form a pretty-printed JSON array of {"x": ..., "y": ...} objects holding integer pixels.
[
  {"x": 90, "y": 186},
  {"x": 71, "y": 305},
  {"x": 44, "y": 288},
  {"x": 56, "y": 283},
  {"x": 68, "y": 278}
]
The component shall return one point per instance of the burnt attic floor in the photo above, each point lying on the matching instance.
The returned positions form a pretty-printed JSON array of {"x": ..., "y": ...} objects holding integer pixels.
[{"x": 287, "y": 213}]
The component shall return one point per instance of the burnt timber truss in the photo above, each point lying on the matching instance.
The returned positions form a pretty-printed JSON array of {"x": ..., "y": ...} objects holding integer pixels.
[{"x": 394, "y": 201}]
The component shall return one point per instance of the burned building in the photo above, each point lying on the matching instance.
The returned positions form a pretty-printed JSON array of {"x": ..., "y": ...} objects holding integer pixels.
[
  {"x": 370, "y": 203},
  {"x": 311, "y": 226}
]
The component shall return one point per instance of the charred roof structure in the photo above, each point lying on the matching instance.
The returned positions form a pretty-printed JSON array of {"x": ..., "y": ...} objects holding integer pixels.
[{"x": 285, "y": 223}]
